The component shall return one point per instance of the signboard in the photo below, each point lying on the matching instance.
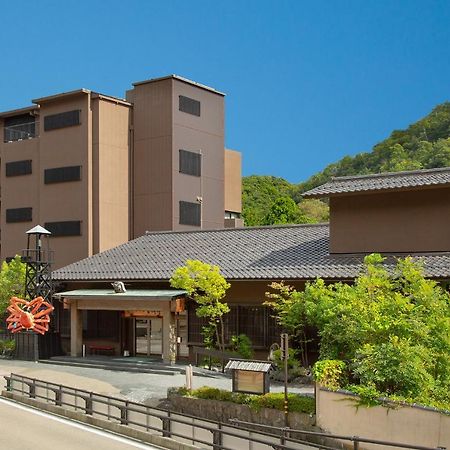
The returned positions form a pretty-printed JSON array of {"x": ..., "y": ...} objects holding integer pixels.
[
  {"x": 142, "y": 314},
  {"x": 249, "y": 381}
]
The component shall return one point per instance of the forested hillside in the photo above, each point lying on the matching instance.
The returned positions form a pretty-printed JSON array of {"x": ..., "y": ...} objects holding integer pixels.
[{"x": 423, "y": 145}]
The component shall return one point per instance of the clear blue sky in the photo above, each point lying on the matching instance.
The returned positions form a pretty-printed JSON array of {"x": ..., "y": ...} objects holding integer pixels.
[{"x": 307, "y": 82}]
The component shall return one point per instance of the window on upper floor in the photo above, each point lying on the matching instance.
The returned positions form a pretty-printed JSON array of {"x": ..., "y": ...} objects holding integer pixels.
[
  {"x": 66, "y": 228},
  {"x": 19, "y": 215},
  {"x": 21, "y": 127},
  {"x": 190, "y": 213},
  {"x": 62, "y": 174},
  {"x": 190, "y": 163},
  {"x": 189, "y": 105},
  {"x": 16, "y": 168},
  {"x": 62, "y": 120}
]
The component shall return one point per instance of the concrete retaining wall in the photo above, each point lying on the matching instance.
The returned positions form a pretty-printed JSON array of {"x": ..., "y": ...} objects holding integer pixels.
[{"x": 337, "y": 413}]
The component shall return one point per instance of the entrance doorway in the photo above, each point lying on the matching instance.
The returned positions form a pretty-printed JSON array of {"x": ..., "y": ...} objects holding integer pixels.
[{"x": 149, "y": 336}]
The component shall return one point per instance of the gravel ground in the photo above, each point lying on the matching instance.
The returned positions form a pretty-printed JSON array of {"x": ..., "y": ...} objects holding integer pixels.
[{"x": 137, "y": 387}]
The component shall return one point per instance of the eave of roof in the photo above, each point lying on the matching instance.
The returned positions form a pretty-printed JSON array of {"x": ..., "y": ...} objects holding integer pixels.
[
  {"x": 130, "y": 294},
  {"x": 397, "y": 181},
  {"x": 18, "y": 112},
  {"x": 60, "y": 96},
  {"x": 182, "y": 79}
]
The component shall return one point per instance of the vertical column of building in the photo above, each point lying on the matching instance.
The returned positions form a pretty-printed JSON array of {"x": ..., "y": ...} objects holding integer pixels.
[
  {"x": 110, "y": 162},
  {"x": 152, "y": 156},
  {"x": 198, "y": 156}
]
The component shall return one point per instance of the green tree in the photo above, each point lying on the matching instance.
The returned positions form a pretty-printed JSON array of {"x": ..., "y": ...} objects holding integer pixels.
[
  {"x": 391, "y": 329},
  {"x": 12, "y": 281},
  {"x": 314, "y": 210},
  {"x": 204, "y": 284},
  {"x": 283, "y": 211}
]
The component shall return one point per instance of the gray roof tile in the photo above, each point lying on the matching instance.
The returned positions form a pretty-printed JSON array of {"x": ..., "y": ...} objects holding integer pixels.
[
  {"x": 383, "y": 181},
  {"x": 279, "y": 252}
]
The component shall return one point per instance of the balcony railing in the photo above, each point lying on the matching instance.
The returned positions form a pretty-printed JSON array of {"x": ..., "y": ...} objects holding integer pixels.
[{"x": 21, "y": 131}]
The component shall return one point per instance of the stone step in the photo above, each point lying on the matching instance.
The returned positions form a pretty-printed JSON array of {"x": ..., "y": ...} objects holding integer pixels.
[{"x": 137, "y": 368}]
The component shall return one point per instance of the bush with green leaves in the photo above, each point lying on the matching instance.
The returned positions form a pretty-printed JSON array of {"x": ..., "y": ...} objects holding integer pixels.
[
  {"x": 272, "y": 400},
  {"x": 391, "y": 328},
  {"x": 331, "y": 373},
  {"x": 242, "y": 345}
]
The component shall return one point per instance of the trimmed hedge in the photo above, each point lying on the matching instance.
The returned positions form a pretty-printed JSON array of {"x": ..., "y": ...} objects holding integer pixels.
[{"x": 296, "y": 403}]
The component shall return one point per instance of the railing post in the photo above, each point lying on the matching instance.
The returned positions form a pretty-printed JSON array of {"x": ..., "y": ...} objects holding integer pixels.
[
  {"x": 88, "y": 404},
  {"x": 355, "y": 443},
  {"x": 32, "y": 391},
  {"x": 217, "y": 438},
  {"x": 8, "y": 384},
  {"x": 124, "y": 414},
  {"x": 58, "y": 396},
  {"x": 166, "y": 426}
]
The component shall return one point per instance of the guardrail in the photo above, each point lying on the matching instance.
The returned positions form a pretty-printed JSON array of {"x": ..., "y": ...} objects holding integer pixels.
[{"x": 179, "y": 426}]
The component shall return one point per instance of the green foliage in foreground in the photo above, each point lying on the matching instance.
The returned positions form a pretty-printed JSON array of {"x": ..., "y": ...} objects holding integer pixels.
[
  {"x": 12, "y": 282},
  {"x": 296, "y": 403},
  {"x": 7, "y": 347},
  {"x": 388, "y": 332}
]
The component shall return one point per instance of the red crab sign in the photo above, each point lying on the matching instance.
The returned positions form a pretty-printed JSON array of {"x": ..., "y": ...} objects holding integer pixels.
[{"x": 29, "y": 315}]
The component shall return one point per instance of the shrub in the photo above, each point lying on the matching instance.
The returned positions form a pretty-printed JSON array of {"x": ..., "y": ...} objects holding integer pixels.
[
  {"x": 243, "y": 345},
  {"x": 296, "y": 403},
  {"x": 295, "y": 368},
  {"x": 330, "y": 373}
]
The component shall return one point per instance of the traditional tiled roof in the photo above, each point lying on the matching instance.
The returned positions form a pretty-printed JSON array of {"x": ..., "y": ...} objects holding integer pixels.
[
  {"x": 382, "y": 182},
  {"x": 277, "y": 252}
]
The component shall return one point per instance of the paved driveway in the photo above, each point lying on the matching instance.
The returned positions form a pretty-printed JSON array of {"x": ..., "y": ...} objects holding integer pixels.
[{"x": 138, "y": 387}]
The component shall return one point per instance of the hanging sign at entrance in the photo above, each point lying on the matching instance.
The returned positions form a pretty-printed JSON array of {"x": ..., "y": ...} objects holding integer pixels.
[{"x": 142, "y": 314}]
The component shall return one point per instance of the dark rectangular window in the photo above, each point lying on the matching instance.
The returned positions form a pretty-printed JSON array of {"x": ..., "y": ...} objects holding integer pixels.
[
  {"x": 190, "y": 163},
  {"x": 67, "y": 228},
  {"x": 16, "y": 168},
  {"x": 62, "y": 120},
  {"x": 190, "y": 213},
  {"x": 61, "y": 174},
  {"x": 19, "y": 215},
  {"x": 19, "y": 127},
  {"x": 189, "y": 105},
  {"x": 102, "y": 325}
]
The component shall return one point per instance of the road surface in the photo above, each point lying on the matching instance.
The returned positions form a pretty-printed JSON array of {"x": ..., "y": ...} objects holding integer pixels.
[{"x": 23, "y": 428}]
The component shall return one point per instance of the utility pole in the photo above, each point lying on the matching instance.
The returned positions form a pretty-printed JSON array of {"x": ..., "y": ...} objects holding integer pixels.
[{"x": 284, "y": 357}]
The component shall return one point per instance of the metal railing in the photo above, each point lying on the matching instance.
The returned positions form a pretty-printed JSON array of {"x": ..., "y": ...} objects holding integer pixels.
[
  {"x": 28, "y": 130},
  {"x": 180, "y": 426}
]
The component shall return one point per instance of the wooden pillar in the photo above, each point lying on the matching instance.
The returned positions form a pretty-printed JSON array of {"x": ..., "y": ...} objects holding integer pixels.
[
  {"x": 76, "y": 329},
  {"x": 169, "y": 344}
]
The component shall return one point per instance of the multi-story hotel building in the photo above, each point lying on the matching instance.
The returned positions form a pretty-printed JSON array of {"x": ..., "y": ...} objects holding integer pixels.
[{"x": 98, "y": 171}]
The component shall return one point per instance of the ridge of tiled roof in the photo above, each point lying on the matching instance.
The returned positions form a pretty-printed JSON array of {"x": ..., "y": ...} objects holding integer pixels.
[
  {"x": 273, "y": 252},
  {"x": 382, "y": 181}
]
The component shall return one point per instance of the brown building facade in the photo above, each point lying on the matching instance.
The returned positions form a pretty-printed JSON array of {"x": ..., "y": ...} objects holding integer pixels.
[{"x": 97, "y": 170}]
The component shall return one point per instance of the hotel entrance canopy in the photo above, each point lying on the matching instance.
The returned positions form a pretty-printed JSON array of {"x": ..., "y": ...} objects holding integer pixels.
[
  {"x": 136, "y": 302},
  {"x": 132, "y": 294}
]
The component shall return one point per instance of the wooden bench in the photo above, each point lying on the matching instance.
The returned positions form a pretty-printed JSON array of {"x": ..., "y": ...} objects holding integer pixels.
[{"x": 101, "y": 350}]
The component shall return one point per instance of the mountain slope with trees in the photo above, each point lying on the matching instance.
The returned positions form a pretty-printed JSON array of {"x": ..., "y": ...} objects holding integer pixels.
[{"x": 423, "y": 145}]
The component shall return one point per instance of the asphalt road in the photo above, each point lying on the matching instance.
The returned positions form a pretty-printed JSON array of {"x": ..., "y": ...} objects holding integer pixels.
[{"x": 23, "y": 428}]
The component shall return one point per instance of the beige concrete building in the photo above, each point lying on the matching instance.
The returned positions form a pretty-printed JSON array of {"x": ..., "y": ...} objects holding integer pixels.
[{"x": 98, "y": 171}]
